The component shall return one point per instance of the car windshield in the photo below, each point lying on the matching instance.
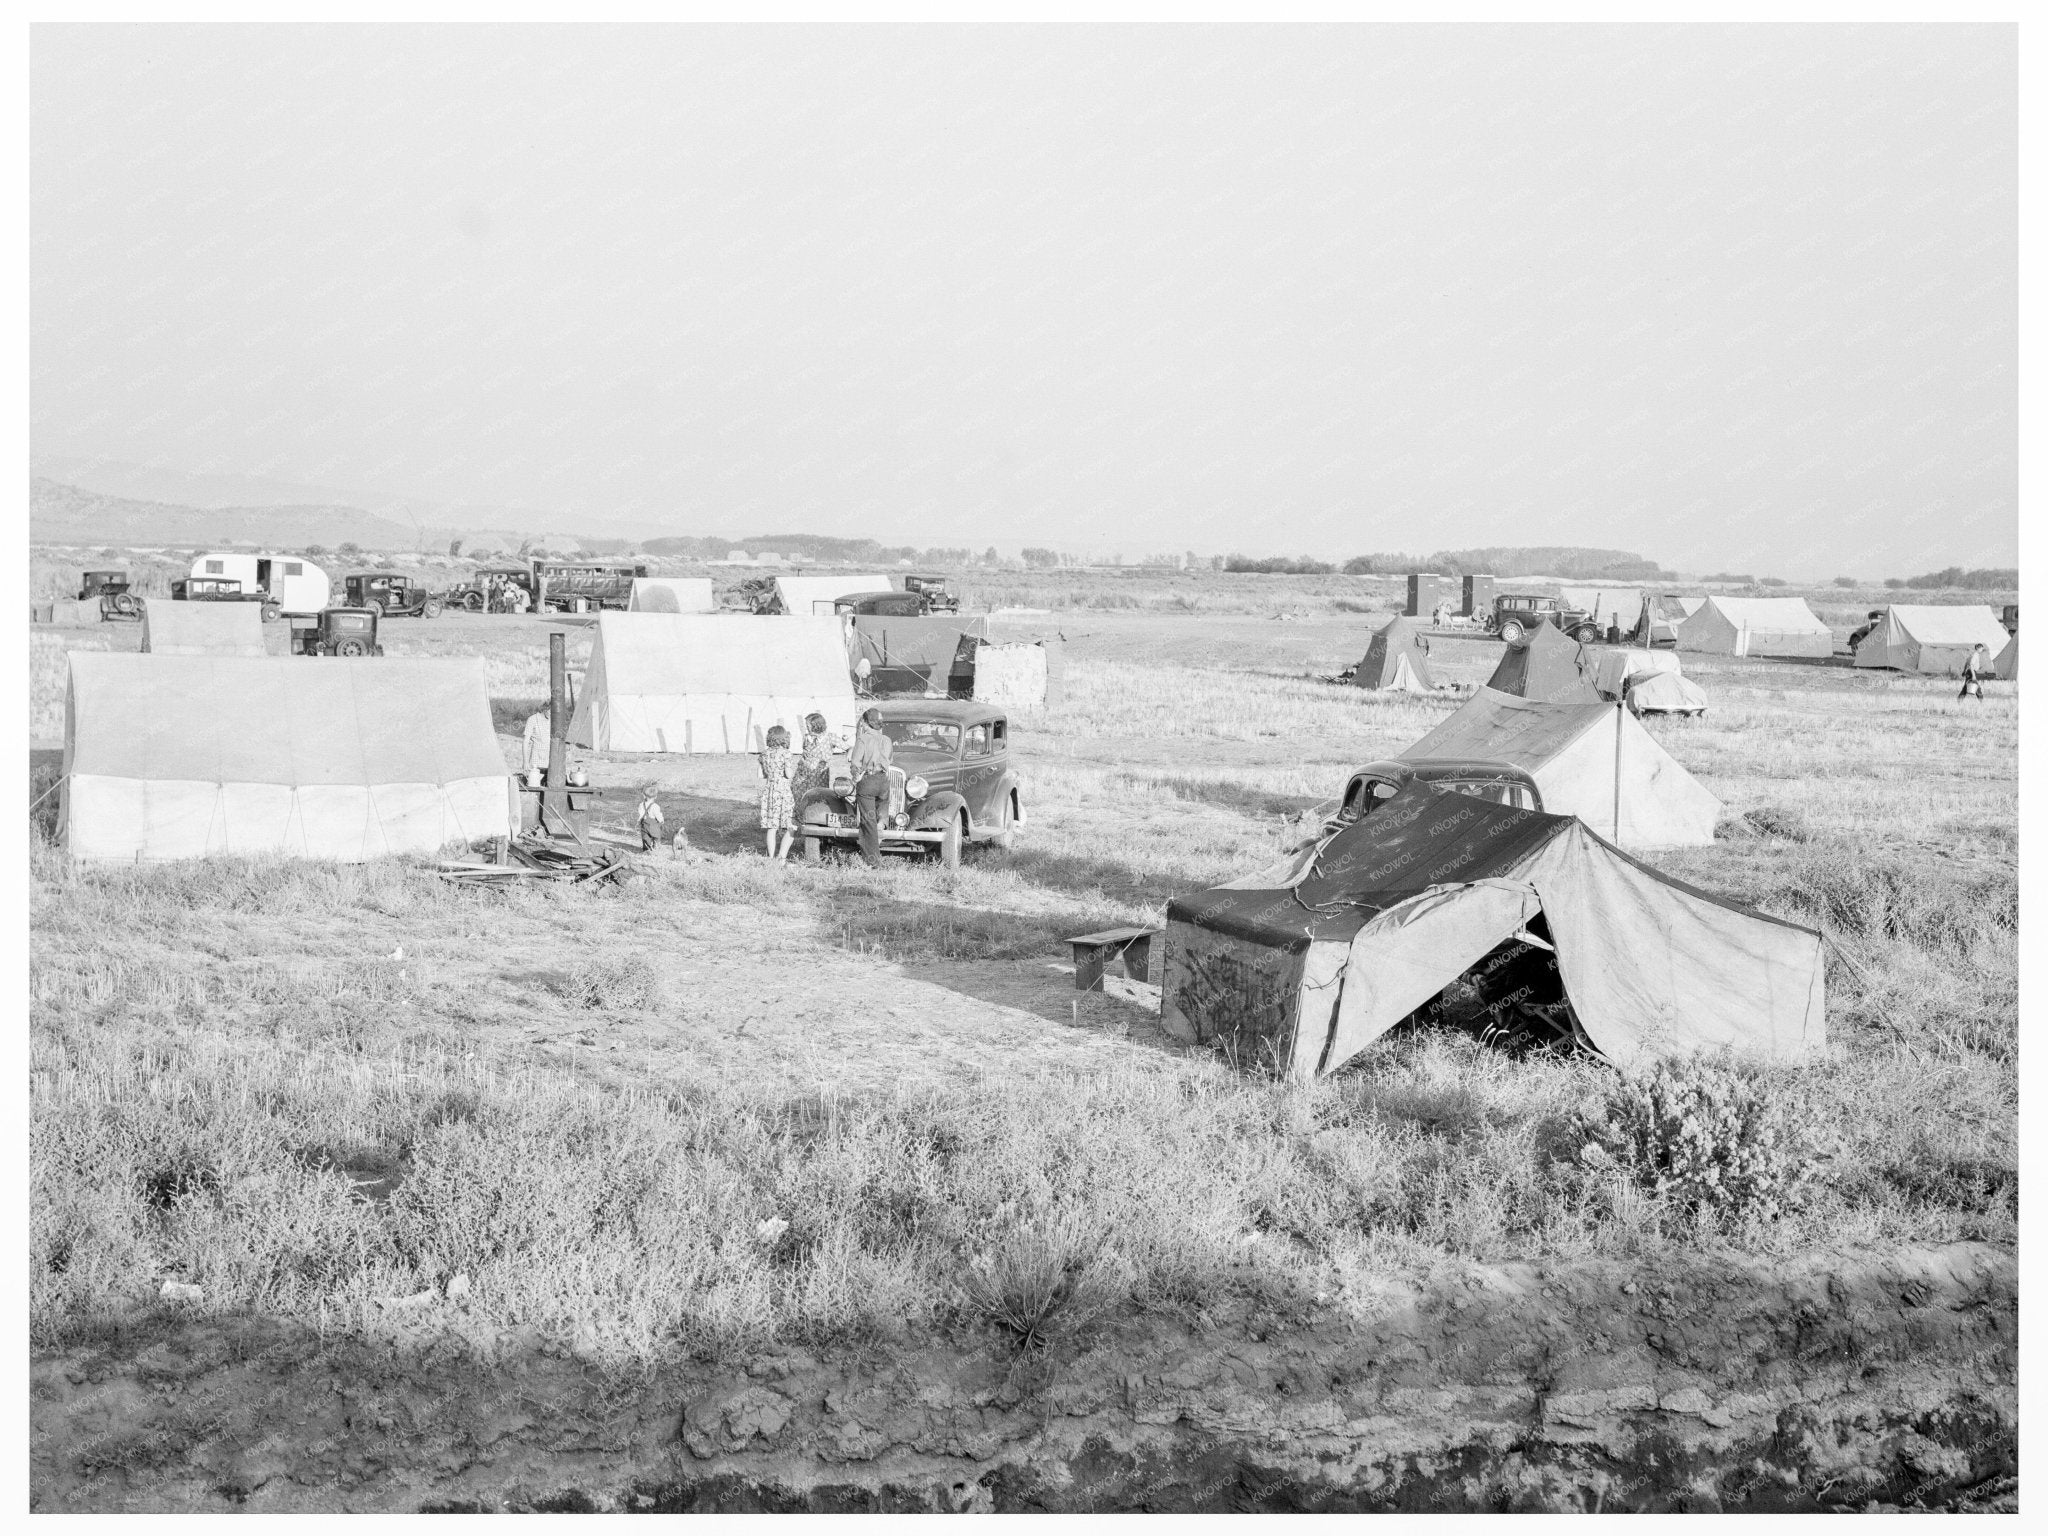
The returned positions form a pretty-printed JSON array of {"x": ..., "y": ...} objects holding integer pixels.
[{"x": 934, "y": 738}]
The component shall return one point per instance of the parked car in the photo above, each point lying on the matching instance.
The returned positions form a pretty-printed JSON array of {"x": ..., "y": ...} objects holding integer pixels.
[
  {"x": 287, "y": 583},
  {"x": 1483, "y": 777},
  {"x": 952, "y": 782},
  {"x": 111, "y": 588},
  {"x": 895, "y": 605},
  {"x": 222, "y": 589},
  {"x": 485, "y": 590},
  {"x": 391, "y": 594},
  {"x": 1516, "y": 613},
  {"x": 340, "y": 632},
  {"x": 938, "y": 596}
]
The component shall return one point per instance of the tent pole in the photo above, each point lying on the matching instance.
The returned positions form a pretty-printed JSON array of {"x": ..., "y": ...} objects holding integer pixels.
[{"x": 1619, "y": 709}]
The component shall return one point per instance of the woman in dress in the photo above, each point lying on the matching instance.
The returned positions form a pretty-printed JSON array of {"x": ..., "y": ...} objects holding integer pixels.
[{"x": 778, "y": 797}]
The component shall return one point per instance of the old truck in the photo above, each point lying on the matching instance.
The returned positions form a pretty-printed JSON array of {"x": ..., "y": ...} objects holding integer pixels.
[
  {"x": 1516, "y": 613},
  {"x": 938, "y": 596},
  {"x": 338, "y": 632},
  {"x": 111, "y": 590},
  {"x": 952, "y": 782},
  {"x": 578, "y": 585},
  {"x": 486, "y": 591},
  {"x": 222, "y": 589},
  {"x": 391, "y": 593}
]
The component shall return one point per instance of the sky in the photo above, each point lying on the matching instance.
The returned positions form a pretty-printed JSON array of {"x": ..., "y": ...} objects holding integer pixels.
[{"x": 1734, "y": 298}]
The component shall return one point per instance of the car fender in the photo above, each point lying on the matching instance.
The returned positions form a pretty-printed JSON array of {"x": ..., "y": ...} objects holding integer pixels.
[
  {"x": 935, "y": 810},
  {"x": 824, "y": 801},
  {"x": 1010, "y": 783}
]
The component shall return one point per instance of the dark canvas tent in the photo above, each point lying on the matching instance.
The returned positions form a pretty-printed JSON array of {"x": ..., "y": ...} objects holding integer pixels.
[
  {"x": 1662, "y": 613},
  {"x": 1397, "y": 658},
  {"x": 1301, "y": 966},
  {"x": 916, "y": 656},
  {"x": 1589, "y": 758},
  {"x": 2008, "y": 664},
  {"x": 1549, "y": 664}
]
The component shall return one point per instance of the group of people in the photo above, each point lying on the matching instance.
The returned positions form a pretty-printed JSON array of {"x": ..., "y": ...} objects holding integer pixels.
[{"x": 786, "y": 777}]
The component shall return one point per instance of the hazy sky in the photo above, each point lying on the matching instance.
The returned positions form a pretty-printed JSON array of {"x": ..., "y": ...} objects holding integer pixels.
[{"x": 1736, "y": 298}]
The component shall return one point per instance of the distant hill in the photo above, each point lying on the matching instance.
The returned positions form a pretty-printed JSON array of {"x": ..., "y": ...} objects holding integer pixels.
[
  {"x": 64, "y": 514},
  {"x": 1569, "y": 561}
]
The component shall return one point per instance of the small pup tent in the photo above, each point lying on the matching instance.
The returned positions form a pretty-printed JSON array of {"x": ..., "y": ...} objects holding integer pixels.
[
  {"x": 671, "y": 594},
  {"x": 1756, "y": 626},
  {"x": 177, "y": 757},
  {"x": 1662, "y": 613},
  {"x": 709, "y": 682},
  {"x": 1649, "y": 682},
  {"x": 1936, "y": 640},
  {"x": 1397, "y": 658},
  {"x": 1548, "y": 664},
  {"x": 803, "y": 595},
  {"x": 202, "y": 629},
  {"x": 1299, "y": 967},
  {"x": 1618, "y": 607},
  {"x": 1589, "y": 758},
  {"x": 916, "y": 656},
  {"x": 2007, "y": 665}
]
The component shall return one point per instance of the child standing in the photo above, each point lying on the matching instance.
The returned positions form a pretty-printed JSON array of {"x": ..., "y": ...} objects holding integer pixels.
[
  {"x": 778, "y": 795},
  {"x": 651, "y": 820}
]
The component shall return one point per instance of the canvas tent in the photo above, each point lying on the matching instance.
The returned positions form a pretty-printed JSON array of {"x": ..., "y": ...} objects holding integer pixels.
[
  {"x": 1397, "y": 658},
  {"x": 1937, "y": 640},
  {"x": 709, "y": 682},
  {"x": 202, "y": 629},
  {"x": 916, "y": 656},
  {"x": 1548, "y": 664},
  {"x": 802, "y": 595},
  {"x": 1650, "y": 681},
  {"x": 672, "y": 594},
  {"x": 174, "y": 757},
  {"x": 1589, "y": 758},
  {"x": 1619, "y": 607},
  {"x": 1433, "y": 895},
  {"x": 1662, "y": 613},
  {"x": 2007, "y": 665},
  {"x": 1755, "y": 626}
]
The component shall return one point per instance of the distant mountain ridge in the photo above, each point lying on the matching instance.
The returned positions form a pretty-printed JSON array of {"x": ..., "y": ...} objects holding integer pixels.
[{"x": 65, "y": 514}]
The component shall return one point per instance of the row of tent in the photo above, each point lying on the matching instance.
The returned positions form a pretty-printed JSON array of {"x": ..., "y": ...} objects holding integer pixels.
[{"x": 1546, "y": 664}]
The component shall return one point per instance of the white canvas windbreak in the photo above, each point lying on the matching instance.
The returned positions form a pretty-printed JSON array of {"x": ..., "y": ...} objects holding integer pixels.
[
  {"x": 173, "y": 757},
  {"x": 1756, "y": 626},
  {"x": 672, "y": 594},
  {"x": 1931, "y": 639},
  {"x": 202, "y": 629},
  {"x": 1590, "y": 759},
  {"x": 702, "y": 683},
  {"x": 1014, "y": 676},
  {"x": 802, "y": 596},
  {"x": 1620, "y": 606}
]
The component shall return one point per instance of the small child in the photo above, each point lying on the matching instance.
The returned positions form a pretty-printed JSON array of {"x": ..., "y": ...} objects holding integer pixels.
[{"x": 651, "y": 820}]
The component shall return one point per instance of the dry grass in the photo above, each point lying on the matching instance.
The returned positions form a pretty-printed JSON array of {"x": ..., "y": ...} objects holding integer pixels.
[{"x": 234, "y": 1083}]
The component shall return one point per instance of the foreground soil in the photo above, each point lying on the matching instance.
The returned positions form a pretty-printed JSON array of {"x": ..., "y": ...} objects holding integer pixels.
[{"x": 1838, "y": 1380}]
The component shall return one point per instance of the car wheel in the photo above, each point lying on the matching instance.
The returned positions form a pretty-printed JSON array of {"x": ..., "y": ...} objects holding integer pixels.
[
  {"x": 1585, "y": 634},
  {"x": 432, "y": 608},
  {"x": 1512, "y": 632},
  {"x": 473, "y": 601},
  {"x": 949, "y": 849},
  {"x": 272, "y": 613},
  {"x": 351, "y": 648}
]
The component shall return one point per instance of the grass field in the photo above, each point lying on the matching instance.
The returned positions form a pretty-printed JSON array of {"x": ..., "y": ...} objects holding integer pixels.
[{"x": 736, "y": 1102}]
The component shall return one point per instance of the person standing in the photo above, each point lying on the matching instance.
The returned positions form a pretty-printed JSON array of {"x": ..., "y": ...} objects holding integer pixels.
[
  {"x": 1973, "y": 672},
  {"x": 870, "y": 759},
  {"x": 814, "y": 765},
  {"x": 651, "y": 819},
  {"x": 778, "y": 803}
]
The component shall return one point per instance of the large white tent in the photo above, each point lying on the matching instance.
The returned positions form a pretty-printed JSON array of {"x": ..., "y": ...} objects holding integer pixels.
[
  {"x": 807, "y": 595},
  {"x": 1756, "y": 626},
  {"x": 709, "y": 682},
  {"x": 202, "y": 629},
  {"x": 1589, "y": 758},
  {"x": 1301, "y": 966},
  {"x": 672, "y": 594},
  {"x": 1934, "y": 639},
  {"x": 173, "y": 757}
]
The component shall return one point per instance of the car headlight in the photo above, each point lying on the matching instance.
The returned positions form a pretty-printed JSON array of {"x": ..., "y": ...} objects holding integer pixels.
[
  {"x": 899, "y": 820},
  {"x": 916, "y": 788}
]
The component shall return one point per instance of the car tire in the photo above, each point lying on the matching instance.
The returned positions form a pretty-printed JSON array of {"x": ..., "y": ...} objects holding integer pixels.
[
  {"x": 949, "y": 847},
  {"x": 1585, "y": 634},
  {"x": 432, "y": 608},
  {"x": 272, "y": 613},
  {"x": 473, "y": 601},
  {"x": 1512, "y": 632},
  {"x": 351, "y": 647}
]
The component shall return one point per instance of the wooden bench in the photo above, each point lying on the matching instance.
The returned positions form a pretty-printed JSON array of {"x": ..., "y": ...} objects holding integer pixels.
[{"x": 1093, "y": 953}]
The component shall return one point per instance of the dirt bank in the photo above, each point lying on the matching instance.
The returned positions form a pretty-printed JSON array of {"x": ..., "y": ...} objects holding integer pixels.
[{"x": 1712, "y": 1383}]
